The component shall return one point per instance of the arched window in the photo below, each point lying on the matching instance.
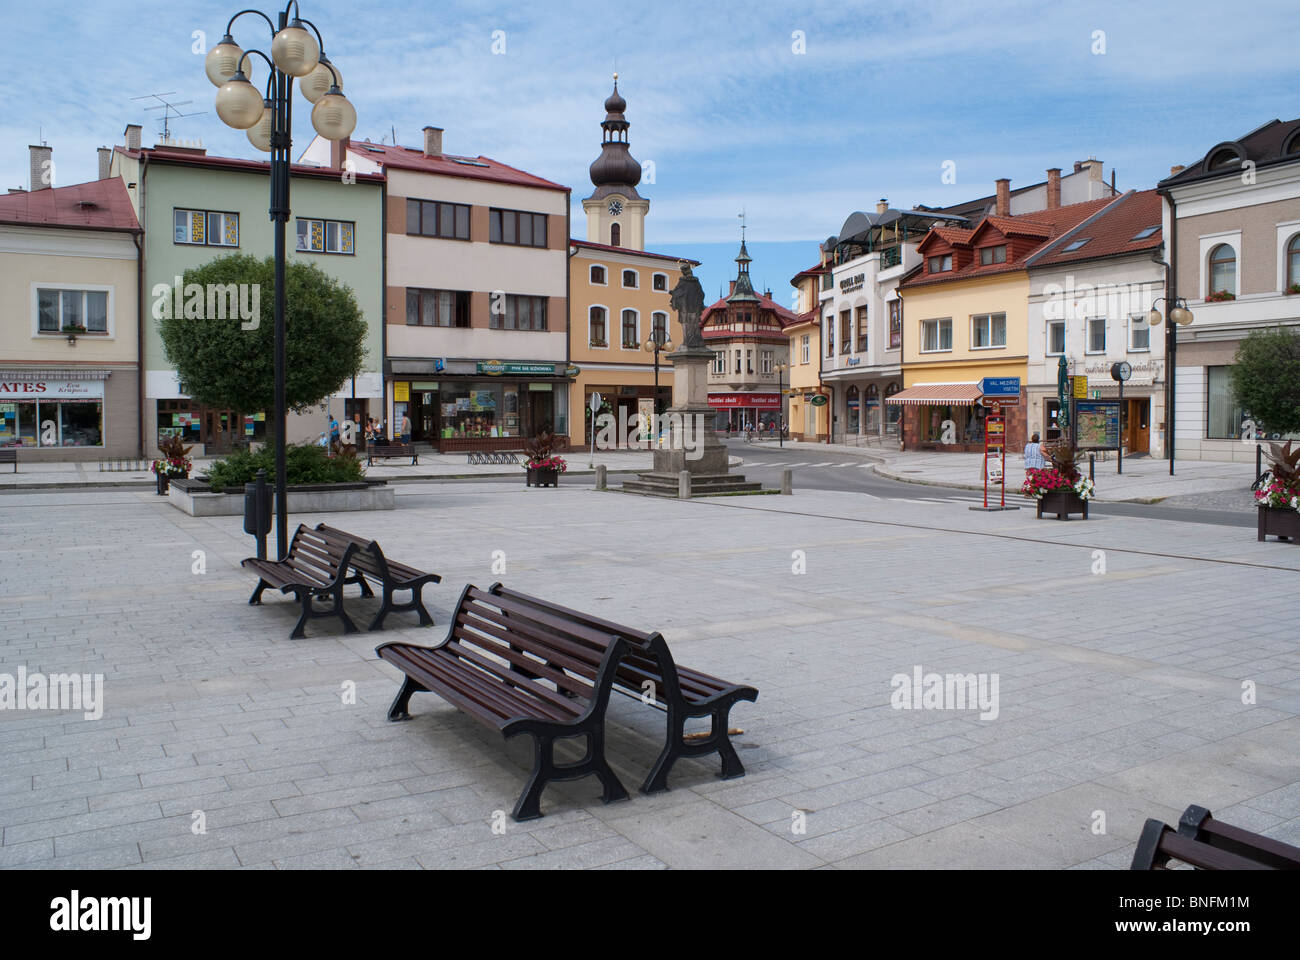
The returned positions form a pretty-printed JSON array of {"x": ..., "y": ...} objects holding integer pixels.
[
  {"x": 596, "y": 325},
  {"x": 1293, "y": 262},
  {"x": 659, "y": 324},
  {"x": 873, "y": 394},
  {"x": 1223, "y": 269},
  {"x": 597, "y": 275},
  {"x": 615, "y": 235}
]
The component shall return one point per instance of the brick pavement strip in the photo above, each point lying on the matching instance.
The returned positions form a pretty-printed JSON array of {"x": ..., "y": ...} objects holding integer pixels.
[{"x": 1119, "y": 693}]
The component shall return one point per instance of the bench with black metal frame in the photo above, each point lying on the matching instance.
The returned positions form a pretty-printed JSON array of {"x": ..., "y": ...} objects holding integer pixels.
[
  {"x": 369, "y": 560},
  {"x": 316, "y": 566},
  {"x": 386, "y": 451},
  {"x": 682, "y": 693},
  {"x": 545, "y": 675},
  {"x": 1208, "y": 844},
  {"x": 9, "y": 455}
]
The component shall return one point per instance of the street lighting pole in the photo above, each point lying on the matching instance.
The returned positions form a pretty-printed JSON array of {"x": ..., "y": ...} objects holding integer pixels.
[
  {"x": 656, "y": 345},
  {"x": 1176, "y": 315},
  {"x": 268, "y": 119},
  {"x": 780, "y": 392}
]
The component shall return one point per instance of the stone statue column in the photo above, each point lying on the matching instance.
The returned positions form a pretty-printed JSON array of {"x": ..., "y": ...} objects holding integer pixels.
[{"x": 690, "y": 409}]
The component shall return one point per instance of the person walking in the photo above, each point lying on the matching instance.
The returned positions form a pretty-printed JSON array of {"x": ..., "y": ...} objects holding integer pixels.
[
  {"x": 1034, "y": 455},
  {"x": 406, "y": 429}
]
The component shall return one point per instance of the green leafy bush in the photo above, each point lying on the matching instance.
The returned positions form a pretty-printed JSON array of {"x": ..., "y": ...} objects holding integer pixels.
[{"x": 303, "y": 464}]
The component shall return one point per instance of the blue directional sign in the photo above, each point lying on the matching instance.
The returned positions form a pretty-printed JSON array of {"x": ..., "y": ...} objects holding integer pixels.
[{"x": 1000, "y": 388}]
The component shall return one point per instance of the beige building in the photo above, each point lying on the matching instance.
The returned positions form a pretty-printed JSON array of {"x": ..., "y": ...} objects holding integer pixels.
[
  {"x": 808, "y": 418},
  {"x": 69, "y": 288}
]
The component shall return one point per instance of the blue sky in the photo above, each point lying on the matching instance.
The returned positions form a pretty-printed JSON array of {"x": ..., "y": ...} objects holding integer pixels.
[{"x": 718, "y": 98}]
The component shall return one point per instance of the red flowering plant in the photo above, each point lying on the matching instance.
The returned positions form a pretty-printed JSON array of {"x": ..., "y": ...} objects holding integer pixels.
[
  {"x": 1063, "y": 474},
  {"x": 1220, "y": 296},
  {"x": 175, "y": 461},
  {"x": 1279, "y": 486},
  {"x": 540, "y": 455}
]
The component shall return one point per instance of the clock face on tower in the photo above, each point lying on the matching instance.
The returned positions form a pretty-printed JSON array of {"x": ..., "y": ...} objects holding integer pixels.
[{"x": 615, "y": 207}]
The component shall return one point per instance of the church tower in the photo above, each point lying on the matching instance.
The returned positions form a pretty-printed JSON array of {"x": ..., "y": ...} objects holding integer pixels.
[{"x": 615, "y": 211}]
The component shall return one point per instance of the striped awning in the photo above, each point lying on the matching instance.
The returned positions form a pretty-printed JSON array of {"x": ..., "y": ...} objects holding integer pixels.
[{"x": 960, "y": 394}]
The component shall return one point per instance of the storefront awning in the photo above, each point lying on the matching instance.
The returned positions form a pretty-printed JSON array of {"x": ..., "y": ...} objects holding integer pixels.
[{"x": 960, "y": 394}]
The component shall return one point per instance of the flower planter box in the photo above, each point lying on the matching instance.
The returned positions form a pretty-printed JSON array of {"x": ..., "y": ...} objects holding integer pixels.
[
  {"x": 1280, "y": 522},
  {"x": 197, "y": 499},
  {"x": 535, "y": 477},
  {"x": 1062, "y": 503}
]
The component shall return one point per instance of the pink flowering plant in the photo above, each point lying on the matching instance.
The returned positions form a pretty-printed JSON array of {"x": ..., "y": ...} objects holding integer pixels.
[
  {"x": 1279, "y": 487},
  {"x": 540, "y": 455},
  {"x": 1063, "y": 474}
]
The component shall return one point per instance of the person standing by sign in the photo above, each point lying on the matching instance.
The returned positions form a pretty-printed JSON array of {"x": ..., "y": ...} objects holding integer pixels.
[
  {"x": 1034, "y": 454},
  {"x": 406, "y": 429}
]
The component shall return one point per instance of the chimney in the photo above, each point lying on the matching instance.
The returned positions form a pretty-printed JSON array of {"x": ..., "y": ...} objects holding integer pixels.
[
  {"x": 1094, "y": 168},
  {"x": 882, "y": 206},
  {"x": 1053, "y": 188},
  {"x": 105, "y": 162},
  {"x": 731, "y": 289},
  {"x": 339, "y": 153},
  {"x": 1078, "y": 165},
  {"x": 1176, "y": 170},
  {"x": 433, "y": 141},
  {"x": 42, "y": 167},
  {"x": 1003, "y": 207},
  {"x": 131, "y": 136}
]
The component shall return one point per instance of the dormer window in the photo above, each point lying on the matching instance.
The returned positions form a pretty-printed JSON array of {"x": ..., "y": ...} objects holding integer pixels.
[
  {"x": 991, "y": 255},
  {"x": 940, "y": 264}
]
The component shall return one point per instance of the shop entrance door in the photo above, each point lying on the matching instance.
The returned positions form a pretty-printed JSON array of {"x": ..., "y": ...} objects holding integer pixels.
[
  {"x": 1137, "y": 425},
  {"x": 219, "y": 428}
]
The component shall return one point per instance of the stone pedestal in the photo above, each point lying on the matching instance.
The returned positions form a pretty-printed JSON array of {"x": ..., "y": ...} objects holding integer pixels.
[{"x": 691, "y": 444}]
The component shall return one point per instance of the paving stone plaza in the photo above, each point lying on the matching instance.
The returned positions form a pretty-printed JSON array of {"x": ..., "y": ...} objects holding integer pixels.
[{"x": 1141, "y": 665}]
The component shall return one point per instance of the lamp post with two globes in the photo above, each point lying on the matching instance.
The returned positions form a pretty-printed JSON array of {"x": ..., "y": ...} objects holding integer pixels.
[
  {"x": 1178, "y": 316},
  {"x": 296, "y": 53},
  {"x": 660, "y": 342}
]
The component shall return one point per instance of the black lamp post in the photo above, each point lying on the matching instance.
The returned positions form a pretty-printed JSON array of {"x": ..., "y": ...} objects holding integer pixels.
[
  {"x": 658, "y": 343},
  {"x": 780, "y": 392},
  {"x": 268, "y": 118},
  {"x": 1177, "y": 314}
]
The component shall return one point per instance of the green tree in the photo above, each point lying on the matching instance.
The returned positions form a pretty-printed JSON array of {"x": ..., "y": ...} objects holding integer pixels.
[
  {"x": 1266, "y": 379},
  {"x": 225, "y": 358}
]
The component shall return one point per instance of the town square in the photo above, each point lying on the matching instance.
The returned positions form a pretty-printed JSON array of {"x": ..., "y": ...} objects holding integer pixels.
[{"x": 615, "y": 456}]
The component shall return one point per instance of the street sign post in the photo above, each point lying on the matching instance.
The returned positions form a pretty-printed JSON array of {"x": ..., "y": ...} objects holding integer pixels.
[{"x": 995, "y": 442}]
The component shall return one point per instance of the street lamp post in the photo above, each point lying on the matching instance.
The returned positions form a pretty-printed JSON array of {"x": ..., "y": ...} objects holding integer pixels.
[
  {"x": 268, "y": 118},
  {"x": 780, "y": 392},
  {"x": 1177, "y": 314},
  {"x": 659, "y": 342}
]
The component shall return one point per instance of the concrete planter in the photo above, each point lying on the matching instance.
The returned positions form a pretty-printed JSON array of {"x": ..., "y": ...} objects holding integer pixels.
[
  {"x": 1279, "y": 522},
  {"x": 197, "y": 499},
  {"x": 541, "y": 478},
  {"x": 1062, "y": 503}
]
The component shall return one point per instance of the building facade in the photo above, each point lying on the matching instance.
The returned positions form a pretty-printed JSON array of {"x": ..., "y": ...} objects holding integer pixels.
[
  {"x": 1090, "y": 292},
  {"x": 746, "y": 332},
  {"x": 809, "y": 418},
  {"x": 1233, "y": 224},
  {"x": 69, "y": 349},
  {"x": 195, "y": 208},
  {"x": 476, "y": 310}
]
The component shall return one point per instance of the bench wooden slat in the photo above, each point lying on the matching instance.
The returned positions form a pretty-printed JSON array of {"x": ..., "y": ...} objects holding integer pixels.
[
  {"x": 368, "y": 560},
  {"x": 527, "y": 673},
  {"x": 533, "y": 639}
]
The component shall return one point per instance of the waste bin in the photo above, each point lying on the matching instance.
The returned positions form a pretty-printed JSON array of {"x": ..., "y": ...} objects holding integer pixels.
[{"x": 257, "y": 511}]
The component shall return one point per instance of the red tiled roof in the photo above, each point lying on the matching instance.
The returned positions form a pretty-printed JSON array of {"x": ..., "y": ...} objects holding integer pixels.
[
  {"x": 1111, "y": 232},
  {"x": 98, "y": 205},
  {"x": 1054, "y": 222},
  {"x": 636, "y": 253},
  {"x": 408, "y": 158},
  {"x": 764, "y": 303},
  {"x": 954, "y": 235},
  {"x": 165, "y": 155}
]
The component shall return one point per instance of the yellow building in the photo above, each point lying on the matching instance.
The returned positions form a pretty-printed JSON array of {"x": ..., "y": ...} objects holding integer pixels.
[
  {"x": 807, "y": 420},
  {"x": 618, "y": 293},
  {"x": 966, "y": 317}
]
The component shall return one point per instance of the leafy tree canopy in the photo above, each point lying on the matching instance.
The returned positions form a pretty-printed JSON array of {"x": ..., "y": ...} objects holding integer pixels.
[
  {"x": 1266, "y": 378},
  {"x": 218, "y": 332}
]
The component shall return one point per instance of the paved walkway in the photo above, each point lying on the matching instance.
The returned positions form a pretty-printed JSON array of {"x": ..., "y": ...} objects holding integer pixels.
[
  {"x": 225, "y": 744},
  {"x": 1207, "y": 483}
]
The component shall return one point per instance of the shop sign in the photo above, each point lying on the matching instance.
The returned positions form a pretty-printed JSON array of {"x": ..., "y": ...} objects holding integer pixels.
[
  {"x": 1006, "y": 389},
  {"x": 50, "y": 389},
  {"x": 401, "y": 391},
  {"x": 854, "y": 361},
  {"x": 495, "y": 368},
  {"x": 1080, "y": 388},
  {"x": 819, "y": 400},
  {"x": 849, "y": 284},
  {"x": 572, "y": 370},
  {"x": 762, "y": 401}
]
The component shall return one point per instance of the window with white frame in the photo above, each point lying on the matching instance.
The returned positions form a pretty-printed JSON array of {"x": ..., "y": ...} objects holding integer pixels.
[
  {"x": 805, "y": 348},
  {"x": 765, "y": 361},
  {"x": 596, "y": 323},
  {"x": 630, "y": 279},
  {"x": 211, "y": 228},
  {"x": 598, "y": 275},
  {"x": 1055, "y": 337},
  {"x": 1223, "y": 269},
  {"x": 83, "y": 311},
  {"x": 936, "y": 335},
  {"x": 326, "y": 236},
  {"x": 1139, "y": 332},
  {"x": 659, "y": 327},
  {"x": 719, "y": 362},
  {"x": 988, "y": 330},
  {"x": 660, "y": 281},
  {"x": 631, "y": 339},
  {"x": 1096, "y": 335},
  {"x": 738, "y": 361}
]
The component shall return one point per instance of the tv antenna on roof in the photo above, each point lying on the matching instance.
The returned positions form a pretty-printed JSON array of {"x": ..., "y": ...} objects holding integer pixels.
[{"x": 170, "y": 110}]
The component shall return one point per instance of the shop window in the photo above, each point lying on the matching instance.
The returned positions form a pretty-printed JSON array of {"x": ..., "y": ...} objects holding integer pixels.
[
  {"x": 57, "y": 308},
  {"x": 895, "y": 324},
  {"x": 210, "y": 228},
  {"x": 475, "y": 409},
  {"x": 326, "y": 236},
  {"x": 437, "y": 308},
  {"x": 1223, "y": 413},
  {"x": 988, "y": 330},
  {"x": 596, "y": 332},
  {"x": 936, "y": 335},
  {"x": 32, "y": 423}
]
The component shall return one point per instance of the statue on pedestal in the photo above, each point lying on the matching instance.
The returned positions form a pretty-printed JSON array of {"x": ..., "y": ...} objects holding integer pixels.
[{"x": 687, "y": 299}]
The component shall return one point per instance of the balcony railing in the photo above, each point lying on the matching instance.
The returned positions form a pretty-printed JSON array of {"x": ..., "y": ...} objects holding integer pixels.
[{"x": 891, "y": 257}]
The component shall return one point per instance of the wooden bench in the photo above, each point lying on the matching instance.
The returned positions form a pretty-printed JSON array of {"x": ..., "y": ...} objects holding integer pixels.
[
  {"x": 385, "y": 451},
  {"x": 1208, "y": 844},
  {"x": 317, "y": 566},
  {"x": 544, "y": 675},
  {"x": 370, "y": 561},
  {"x": 679, "y": 691},
  {"x": 9, "y": 455}
]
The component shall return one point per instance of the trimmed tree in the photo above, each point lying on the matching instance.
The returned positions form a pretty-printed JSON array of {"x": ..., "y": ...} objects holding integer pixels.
[
  {"x": 1266, "y": 379},
  {"x": 218, "y": 332}
]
